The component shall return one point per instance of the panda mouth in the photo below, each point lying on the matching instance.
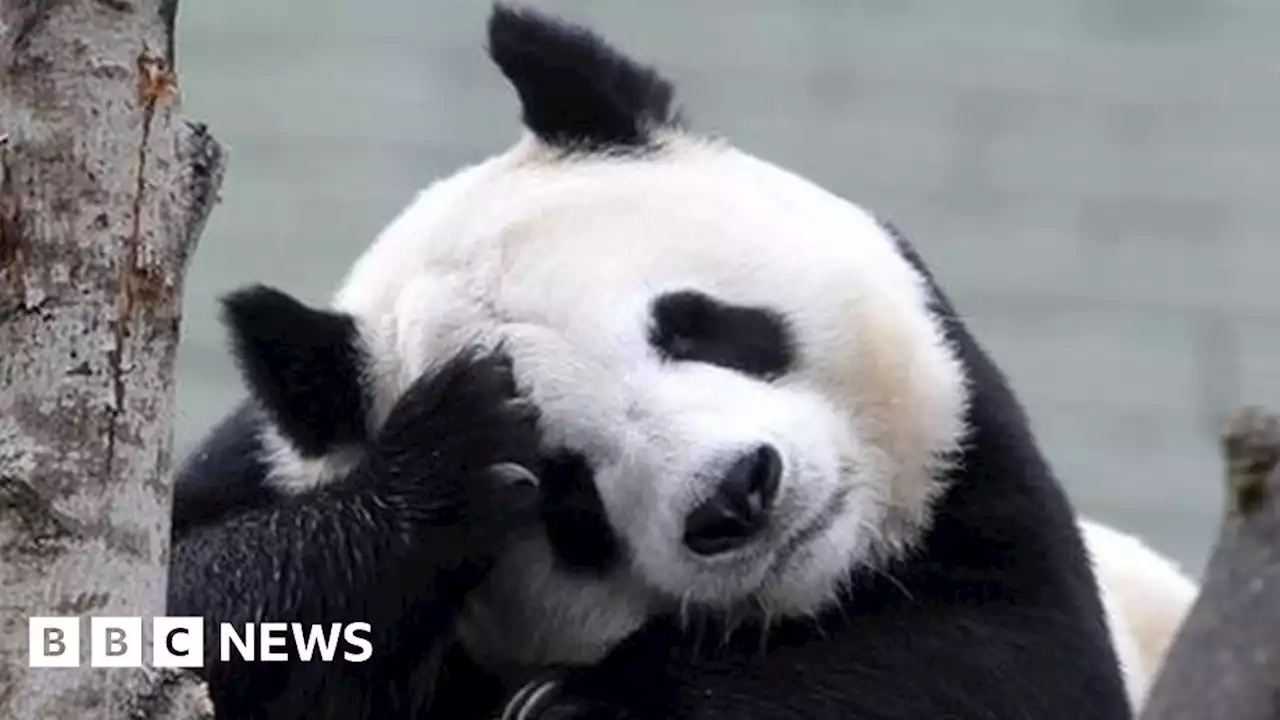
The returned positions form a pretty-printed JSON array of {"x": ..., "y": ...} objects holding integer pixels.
[
  {"x": 756, "y": 570},
  {"x": 825, "y": 518}
]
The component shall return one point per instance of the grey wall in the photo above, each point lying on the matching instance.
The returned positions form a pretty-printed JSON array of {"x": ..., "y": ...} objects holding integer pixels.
[{"x": 1094, "y": 181}]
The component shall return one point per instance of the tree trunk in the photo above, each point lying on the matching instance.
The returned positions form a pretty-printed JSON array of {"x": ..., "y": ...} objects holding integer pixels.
[
  {"x": 103, "y": 193},
  {"x": 1225, "y": 663}
]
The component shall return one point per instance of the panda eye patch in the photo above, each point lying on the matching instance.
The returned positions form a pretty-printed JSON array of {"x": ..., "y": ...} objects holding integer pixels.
[{"x": 692, "y": 326}]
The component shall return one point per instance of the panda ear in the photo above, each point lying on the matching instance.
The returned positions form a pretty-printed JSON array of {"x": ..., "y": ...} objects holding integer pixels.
[
  {"x": 303, "y": 365},
  {"x": 575, "y": 90}
]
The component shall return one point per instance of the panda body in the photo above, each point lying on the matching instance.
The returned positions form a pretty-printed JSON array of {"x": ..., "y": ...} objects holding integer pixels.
[
  {"x": 777, "y": 477},
  {"x": 1146, "y": 598}
]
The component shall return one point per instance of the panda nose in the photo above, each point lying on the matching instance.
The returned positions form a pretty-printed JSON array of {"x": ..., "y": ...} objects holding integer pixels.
[{"x": 733, "y": 516}]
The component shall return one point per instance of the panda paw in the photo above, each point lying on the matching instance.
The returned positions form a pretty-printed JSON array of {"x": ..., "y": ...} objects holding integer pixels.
[
  {"x": 545, "y": 700},
  {"x": 463, "y": 436}
]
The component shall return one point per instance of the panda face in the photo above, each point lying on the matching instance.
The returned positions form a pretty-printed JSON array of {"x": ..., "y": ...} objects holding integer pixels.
[
  {"x": 744, "y": 394},
  {"x": 741, "y": 365}
]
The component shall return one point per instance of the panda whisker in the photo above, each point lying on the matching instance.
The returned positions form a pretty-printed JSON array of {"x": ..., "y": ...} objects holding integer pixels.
[
  {"x": 726, "y": 632},
  {"x": 878, "y": 568},
  {"x": 896, "y": 583},
  {"x": 698, "y": 633},
  {"x": 845, "y": 615},
  {"x": 685, "y": 617},
  {"x": 764, "y": 638}
]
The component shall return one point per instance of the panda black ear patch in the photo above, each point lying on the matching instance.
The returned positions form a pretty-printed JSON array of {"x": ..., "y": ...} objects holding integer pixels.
[
  {"x": 301, "y": 364},
  {"x": 577, "y": 92}
]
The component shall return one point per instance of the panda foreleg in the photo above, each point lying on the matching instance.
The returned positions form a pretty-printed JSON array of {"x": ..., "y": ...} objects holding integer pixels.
[{"x": 398, "y": 543}]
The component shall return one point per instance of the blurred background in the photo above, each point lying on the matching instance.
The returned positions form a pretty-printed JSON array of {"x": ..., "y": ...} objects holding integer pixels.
[{"x": 1094, "y": 182}]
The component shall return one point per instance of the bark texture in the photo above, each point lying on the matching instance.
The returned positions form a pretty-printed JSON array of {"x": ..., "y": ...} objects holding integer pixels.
[
  {"x": 1225, "y": 664},
  {"x": 103, "y": 193}
]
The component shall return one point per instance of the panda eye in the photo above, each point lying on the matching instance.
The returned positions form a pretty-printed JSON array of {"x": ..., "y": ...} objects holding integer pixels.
[{"x": 692, "y": 326}]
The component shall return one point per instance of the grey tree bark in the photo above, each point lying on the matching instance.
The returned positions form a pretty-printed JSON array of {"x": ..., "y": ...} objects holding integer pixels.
[
  {"x": 1225, "y": 663},
  {"x": 103, "y": 193}
]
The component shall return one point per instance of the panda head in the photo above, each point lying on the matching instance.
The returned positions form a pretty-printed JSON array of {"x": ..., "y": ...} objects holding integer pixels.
[{"x": 744, "y": 392}]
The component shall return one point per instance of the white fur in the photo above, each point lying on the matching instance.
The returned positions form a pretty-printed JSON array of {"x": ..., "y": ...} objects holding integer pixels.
[
  {"x": 289, "y": 472},
  {"x": 559, "y": 261},
  {"x": 1146, "y": 598}
]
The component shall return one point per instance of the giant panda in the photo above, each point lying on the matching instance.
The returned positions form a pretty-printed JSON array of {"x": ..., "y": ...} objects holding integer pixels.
[{"x": 625, "y": 422}]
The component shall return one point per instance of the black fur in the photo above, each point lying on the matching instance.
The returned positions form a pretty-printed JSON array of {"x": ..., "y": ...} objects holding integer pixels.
[
  {"x": 225, "y": 474},
  {"x": 996, "y": 616},
  {"x": 690, "y": 325},
  {"x": 574, "y": 519},
  {"x": 302, "y": 364},
  {"x": 398, "y": 543},
  {"x": 575, "y": 91}
]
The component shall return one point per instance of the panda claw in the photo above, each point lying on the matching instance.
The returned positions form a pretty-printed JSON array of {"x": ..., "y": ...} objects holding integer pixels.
[
  {"x": 532, "y": 700},
  {"x": 514, "y": 474}
]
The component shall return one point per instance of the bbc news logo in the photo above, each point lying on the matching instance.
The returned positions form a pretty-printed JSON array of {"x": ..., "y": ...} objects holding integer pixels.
[{"x": 178, "y": 642}]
